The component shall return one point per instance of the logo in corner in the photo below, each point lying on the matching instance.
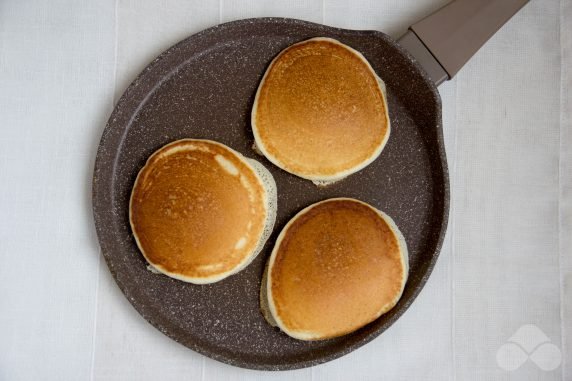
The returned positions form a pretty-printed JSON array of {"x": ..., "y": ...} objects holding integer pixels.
[{"x": 529, "y": 342}]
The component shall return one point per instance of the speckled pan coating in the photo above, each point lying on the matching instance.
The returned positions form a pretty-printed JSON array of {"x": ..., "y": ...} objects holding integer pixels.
[{"x": 204, "y": 87}]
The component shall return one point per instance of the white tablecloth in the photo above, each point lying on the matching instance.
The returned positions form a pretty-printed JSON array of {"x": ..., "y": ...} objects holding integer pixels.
[{"x": 506, "y": 265}]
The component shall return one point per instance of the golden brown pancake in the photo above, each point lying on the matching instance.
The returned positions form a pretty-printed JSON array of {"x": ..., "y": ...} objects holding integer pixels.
[
  {"x": 320, "y": 111},
  {"x": 200, "y": 211},
  {"x": 337, "y": 266}
]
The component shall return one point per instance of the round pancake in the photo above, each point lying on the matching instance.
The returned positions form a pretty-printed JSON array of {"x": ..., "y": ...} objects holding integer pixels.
[
  {"x": 320, "y": 111},
  {"x": 200, "y": 211},
  {"x": 337, "y": 265}
]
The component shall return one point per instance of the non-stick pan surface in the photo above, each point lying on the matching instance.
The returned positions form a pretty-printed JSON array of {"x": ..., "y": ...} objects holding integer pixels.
[{"x": 204, "y": 87}]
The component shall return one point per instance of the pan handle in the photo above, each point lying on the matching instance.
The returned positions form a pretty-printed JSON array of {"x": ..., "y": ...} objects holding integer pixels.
[{"x": 444, "y": 41}]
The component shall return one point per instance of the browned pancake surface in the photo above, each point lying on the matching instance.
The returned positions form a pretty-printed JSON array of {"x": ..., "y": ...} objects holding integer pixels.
[
  {"x": 337, "y": 268},
  {"x": 190, "y": 215},
  {"x": 320, "y": 110}
]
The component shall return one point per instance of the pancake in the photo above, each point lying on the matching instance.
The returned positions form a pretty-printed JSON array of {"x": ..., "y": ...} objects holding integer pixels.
[
  {"x": 320, "y": 111},
  {"x": 200, "y": 211},
  {"x": 337, "y": 265}
]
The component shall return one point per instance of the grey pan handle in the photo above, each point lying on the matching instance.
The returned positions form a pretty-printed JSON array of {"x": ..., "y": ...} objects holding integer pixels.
[{"x": 444, "y": 41}]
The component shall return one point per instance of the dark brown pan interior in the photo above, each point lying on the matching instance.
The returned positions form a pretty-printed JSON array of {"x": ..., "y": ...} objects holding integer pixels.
[{"x": 204, "y": 87}]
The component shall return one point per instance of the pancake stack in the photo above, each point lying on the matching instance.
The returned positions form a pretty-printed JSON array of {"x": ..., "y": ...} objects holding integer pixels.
[
  {"x": 200, "y": 211},
  {"x": 320, "y": 111}
]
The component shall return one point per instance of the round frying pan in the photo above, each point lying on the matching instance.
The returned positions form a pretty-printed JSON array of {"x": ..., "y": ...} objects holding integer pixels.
[{"x": 204, "y": 87}]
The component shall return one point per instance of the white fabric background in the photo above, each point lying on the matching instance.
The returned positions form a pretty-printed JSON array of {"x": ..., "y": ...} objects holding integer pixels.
[{"x": 507, "y": 258}]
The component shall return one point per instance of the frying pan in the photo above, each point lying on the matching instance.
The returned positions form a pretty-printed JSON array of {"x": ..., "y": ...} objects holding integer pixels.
[{"x": 203, "y": 87}]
